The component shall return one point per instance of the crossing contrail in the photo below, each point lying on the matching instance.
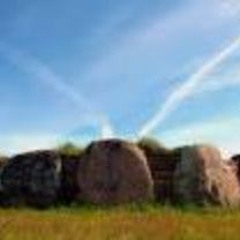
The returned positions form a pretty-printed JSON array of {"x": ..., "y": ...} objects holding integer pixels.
[
  {"x": 45, "y": 75},
  {"x": 187, "y": 88}
]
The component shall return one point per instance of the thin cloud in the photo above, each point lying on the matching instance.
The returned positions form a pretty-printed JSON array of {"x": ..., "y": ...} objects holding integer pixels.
[
  {"x": 220, "y": 131},
  {"x": 17, "y": 143},
  {"x": 231, "y": 7},
  {"x": 220, "y": 82},
  {"x": 189, "y": 86},
  {"x": 40, "y": 71}
]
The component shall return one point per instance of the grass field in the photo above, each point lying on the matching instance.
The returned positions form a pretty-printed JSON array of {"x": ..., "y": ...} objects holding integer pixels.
[{"x": 149, "y": 222}]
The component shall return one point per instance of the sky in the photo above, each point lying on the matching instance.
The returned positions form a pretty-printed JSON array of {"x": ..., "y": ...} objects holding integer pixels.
[{"x": 82, "y": 70}]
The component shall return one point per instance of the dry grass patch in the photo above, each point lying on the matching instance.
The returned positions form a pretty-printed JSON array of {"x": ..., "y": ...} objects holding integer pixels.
[{"x": 119, "y": 223}]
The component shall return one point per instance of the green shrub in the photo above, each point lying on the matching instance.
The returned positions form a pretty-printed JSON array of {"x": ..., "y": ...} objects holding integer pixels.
[
  {"x": 151, "y": 145},
  {"x": 70, "y": 149}
]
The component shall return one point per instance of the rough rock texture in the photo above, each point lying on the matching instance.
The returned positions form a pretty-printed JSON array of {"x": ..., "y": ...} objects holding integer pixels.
[
  {"x": 162, "y": 163},
  {"x": 69, "y": 185},
  {"x": 32, "y": 179},
  {"x": 3, "y": 162},
  {"x": 202, "y": 177},
  {"x": 236, "y": 161},
  {"x": 114, "y": 172}
]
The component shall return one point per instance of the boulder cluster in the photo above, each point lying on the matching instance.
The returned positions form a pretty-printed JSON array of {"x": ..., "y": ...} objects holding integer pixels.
[{"x": 114, "y": 171}]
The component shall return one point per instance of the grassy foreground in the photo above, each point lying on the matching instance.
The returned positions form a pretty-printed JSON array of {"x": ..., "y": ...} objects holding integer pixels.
[{"x": 149, "y": 222}]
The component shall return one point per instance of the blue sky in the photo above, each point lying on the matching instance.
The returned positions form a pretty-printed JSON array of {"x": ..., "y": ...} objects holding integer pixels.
[{"x": 72, "y": 70}]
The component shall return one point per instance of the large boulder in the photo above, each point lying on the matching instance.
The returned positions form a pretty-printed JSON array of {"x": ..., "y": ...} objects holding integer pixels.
[
  {"x": 202, "y": 177},
  {"x": 32, "y": 179},
  {"x": 114, "y": 172}
]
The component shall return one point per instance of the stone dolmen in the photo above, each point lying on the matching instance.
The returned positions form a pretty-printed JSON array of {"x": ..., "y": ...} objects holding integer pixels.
[{"x": 115, "y": 171}]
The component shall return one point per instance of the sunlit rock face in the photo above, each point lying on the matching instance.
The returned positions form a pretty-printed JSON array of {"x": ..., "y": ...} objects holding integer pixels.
[
  {"x": 114, "y": 172},
  {"x": 192, "y": 175},
  {"x": 202, "y": 177},
  {"x": 32, "y": 179}
]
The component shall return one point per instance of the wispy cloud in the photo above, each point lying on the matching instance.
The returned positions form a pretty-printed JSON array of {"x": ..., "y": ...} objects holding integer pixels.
[
  {"x": 41, "y": 72},
  {"x": 227, "y": 79},
  {"x": 152, "y": 52},
  {"x": 219, "y": 131},
  {"x": 231, "y": 7},
  {"x": 17, "y": 143},
  {"x": 188, "y": 87},
  {"x": 157, "y": 32}
]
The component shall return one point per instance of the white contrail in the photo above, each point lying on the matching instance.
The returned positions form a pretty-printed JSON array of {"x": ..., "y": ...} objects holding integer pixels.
[
  {"x": 40, "y": 71},
  {"x": 107, "y": 130},
  {"x": 187, "y": 88}
]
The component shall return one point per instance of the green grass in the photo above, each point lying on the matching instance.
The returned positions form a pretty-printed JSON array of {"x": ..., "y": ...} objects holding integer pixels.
[{"x": 125, "y": 223}]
